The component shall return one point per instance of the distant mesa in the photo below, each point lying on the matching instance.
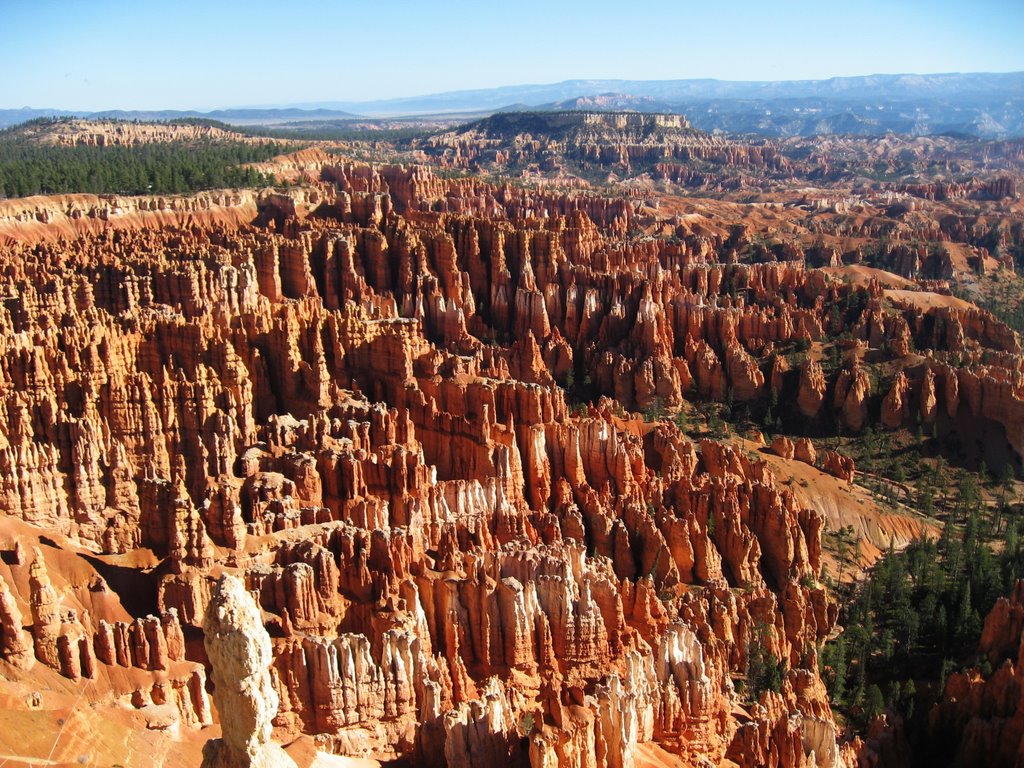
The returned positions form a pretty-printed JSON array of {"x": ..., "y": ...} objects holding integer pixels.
[
  {"x": 612, "y": 102},
  {"x": 570, "y": 123},
  {"x": 976, "y": 104},
  {"x": 584, "y": 145},
  {"x": 121, "y": 133}
]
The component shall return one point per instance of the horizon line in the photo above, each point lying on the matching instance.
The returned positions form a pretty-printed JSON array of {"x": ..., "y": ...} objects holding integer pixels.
[{"x": 311, "y": 105}]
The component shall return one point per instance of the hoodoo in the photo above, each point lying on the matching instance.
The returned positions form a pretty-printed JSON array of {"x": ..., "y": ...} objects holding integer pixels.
[{"x": 239, "y": 650}]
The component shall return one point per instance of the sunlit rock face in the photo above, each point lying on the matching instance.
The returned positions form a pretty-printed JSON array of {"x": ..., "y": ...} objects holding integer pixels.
[
  {"x": 239, "y": 650},
  {"x": 369, "y": 417}
]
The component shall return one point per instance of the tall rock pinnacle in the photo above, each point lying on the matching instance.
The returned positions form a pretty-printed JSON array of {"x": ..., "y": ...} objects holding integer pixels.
[{"x": 239, "y": 650}]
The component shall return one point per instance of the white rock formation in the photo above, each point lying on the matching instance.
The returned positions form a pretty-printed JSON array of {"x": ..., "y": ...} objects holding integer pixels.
[{"x": 239, "y": 649}]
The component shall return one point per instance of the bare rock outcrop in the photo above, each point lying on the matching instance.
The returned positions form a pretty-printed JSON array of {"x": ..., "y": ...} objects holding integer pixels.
[
  {"x": 929, "y": 397},
  {"x": 838, "y": 465},
  {"x": 782, "y": 446},
  {"x": 895, "y": 405},
  {"x": 812, "y": 389},
  {"x": 239, "y": 650},
  {"x": 46, "y": 619},
  {"x": 804, "y": 450},
  {"x": 15, "y": 642},
  {"x": 851, "y": 394}
]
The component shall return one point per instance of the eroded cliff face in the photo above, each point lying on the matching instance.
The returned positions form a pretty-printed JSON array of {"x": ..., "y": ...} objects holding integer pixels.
[{"x": 362, "y": 415}]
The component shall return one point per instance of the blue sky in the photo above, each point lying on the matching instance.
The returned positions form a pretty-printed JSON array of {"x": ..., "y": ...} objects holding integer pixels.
[{"x": 109, "y": 54}]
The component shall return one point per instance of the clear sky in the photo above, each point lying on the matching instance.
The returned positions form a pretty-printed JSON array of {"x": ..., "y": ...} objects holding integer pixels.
[{"x": 189, "y": 54}]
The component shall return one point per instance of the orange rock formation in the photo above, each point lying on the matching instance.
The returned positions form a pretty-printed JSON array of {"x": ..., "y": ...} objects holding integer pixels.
[{"x": 363, "y": 415}]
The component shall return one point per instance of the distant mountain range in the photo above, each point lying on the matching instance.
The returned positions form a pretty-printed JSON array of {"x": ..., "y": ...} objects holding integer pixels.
[
  {"x": 982, "y": 104},
  {"x": 888, "y": 87}
]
